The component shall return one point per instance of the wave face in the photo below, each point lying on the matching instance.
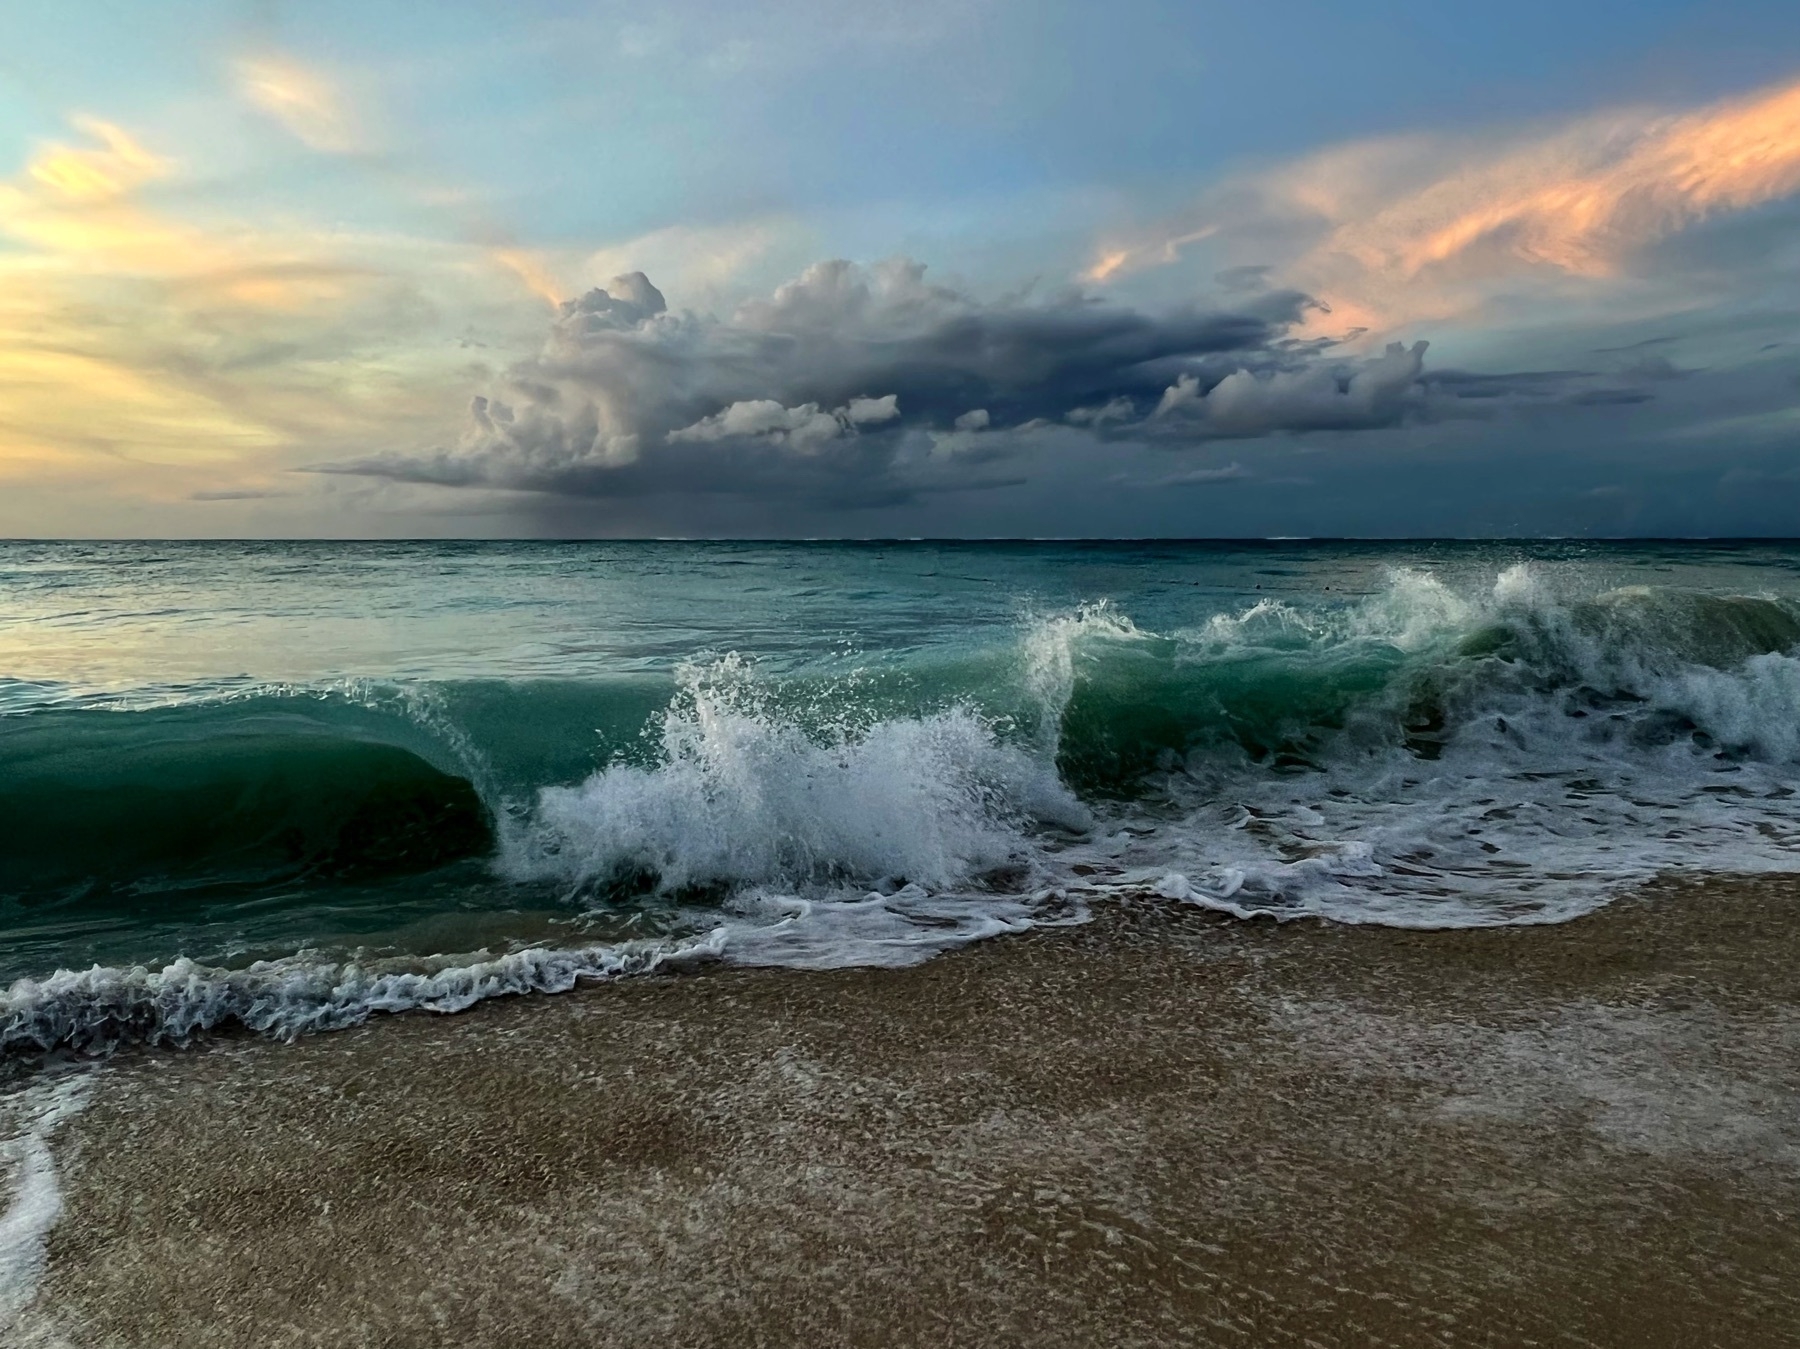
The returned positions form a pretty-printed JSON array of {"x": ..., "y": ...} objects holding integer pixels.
[
  {"x": 1441, "y": 746},
  {"x": 108, "y": 809}
]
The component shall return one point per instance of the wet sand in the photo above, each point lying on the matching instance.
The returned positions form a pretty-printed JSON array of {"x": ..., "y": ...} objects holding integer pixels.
[{"x": 1159, "y": 1129}]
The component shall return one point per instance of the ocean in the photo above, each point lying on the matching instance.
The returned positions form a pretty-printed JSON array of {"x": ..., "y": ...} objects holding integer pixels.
[{"x": 285, "y": 786}]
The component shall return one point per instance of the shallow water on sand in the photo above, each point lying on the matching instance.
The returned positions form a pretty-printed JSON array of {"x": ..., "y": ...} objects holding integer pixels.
[{"x": 1164, "y": 1127}]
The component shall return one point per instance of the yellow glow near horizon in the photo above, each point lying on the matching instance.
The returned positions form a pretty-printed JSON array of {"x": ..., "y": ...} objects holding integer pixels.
[{"x": 131, "y": 338}]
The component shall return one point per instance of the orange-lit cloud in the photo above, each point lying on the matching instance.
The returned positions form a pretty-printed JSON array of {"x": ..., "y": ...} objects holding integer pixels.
[
  {"x": 533, "y": 271},
  {"x": 1393, "y": 231},
  {"x": 1582, "y": 201},
  {"x": 1115, "y": 260}
]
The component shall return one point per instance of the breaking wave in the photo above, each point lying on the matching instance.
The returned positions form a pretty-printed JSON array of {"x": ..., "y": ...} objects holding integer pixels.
[
  {"x": 1424, "y": 756},
  {"x": 742, "y": 795}
]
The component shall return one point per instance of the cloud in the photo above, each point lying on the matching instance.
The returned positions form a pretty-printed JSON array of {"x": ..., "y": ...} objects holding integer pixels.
[
  {"x": 82, "y": 200},
  {"x": 84, "y": 210},
  {"x": 834, "y": 382},
  {"x": 1583, "y": 199},
  {"x": 866, "y": 385},
  {"x": 149, "y": 348},
  {"x": 302, "y": 100},
  {"x": 702, "y": 260},
  {"x": 697, "y": 259},
  {"x": 309, "y": 105},
  {"x": 534, "y": 273},
  {"x": 1114, "y": 261},
  {"x": 805, "y": 427},
  {"x": 1429, "y": 227},
  {"x": 1314, "y": 398}
]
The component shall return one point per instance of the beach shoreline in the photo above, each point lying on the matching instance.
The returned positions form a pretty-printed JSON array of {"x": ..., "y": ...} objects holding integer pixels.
[{"x": 1162, "y": 1127}]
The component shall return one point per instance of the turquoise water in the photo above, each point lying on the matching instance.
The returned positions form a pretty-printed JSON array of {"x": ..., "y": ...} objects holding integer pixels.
[{"x": 286, "y": 784}]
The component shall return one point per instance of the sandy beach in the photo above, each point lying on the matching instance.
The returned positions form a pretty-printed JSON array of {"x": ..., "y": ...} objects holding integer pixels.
[{"x": 1160, "y": 1128}]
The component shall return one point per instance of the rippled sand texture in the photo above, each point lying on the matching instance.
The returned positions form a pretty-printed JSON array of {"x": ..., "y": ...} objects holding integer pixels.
[{"x": 1164, "y": 1128}]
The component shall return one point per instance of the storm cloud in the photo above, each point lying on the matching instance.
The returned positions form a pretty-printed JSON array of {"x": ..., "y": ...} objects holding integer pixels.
[{"x": 869, "y": 385}]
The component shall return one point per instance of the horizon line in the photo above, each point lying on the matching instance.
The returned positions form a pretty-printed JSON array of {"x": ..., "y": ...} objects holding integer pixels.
[{"x": 894, "y": 539}]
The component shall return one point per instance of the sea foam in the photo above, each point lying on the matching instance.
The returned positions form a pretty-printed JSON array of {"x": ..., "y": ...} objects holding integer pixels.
[
  {"x": 31, "y": 1201},
  {"x": 740, "y": 795},
  {"x": 1522, "y": 756}
]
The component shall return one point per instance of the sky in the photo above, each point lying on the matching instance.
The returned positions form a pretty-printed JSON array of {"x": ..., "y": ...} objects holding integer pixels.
[{"x": 950, "y": 268}]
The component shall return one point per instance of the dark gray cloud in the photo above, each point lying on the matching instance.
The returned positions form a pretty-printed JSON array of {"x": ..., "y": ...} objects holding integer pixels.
[{"x": 867, "y": 386}]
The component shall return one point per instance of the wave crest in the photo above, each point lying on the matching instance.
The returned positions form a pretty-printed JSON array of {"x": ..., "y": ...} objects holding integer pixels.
[{"x": 742, "y": 794}]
